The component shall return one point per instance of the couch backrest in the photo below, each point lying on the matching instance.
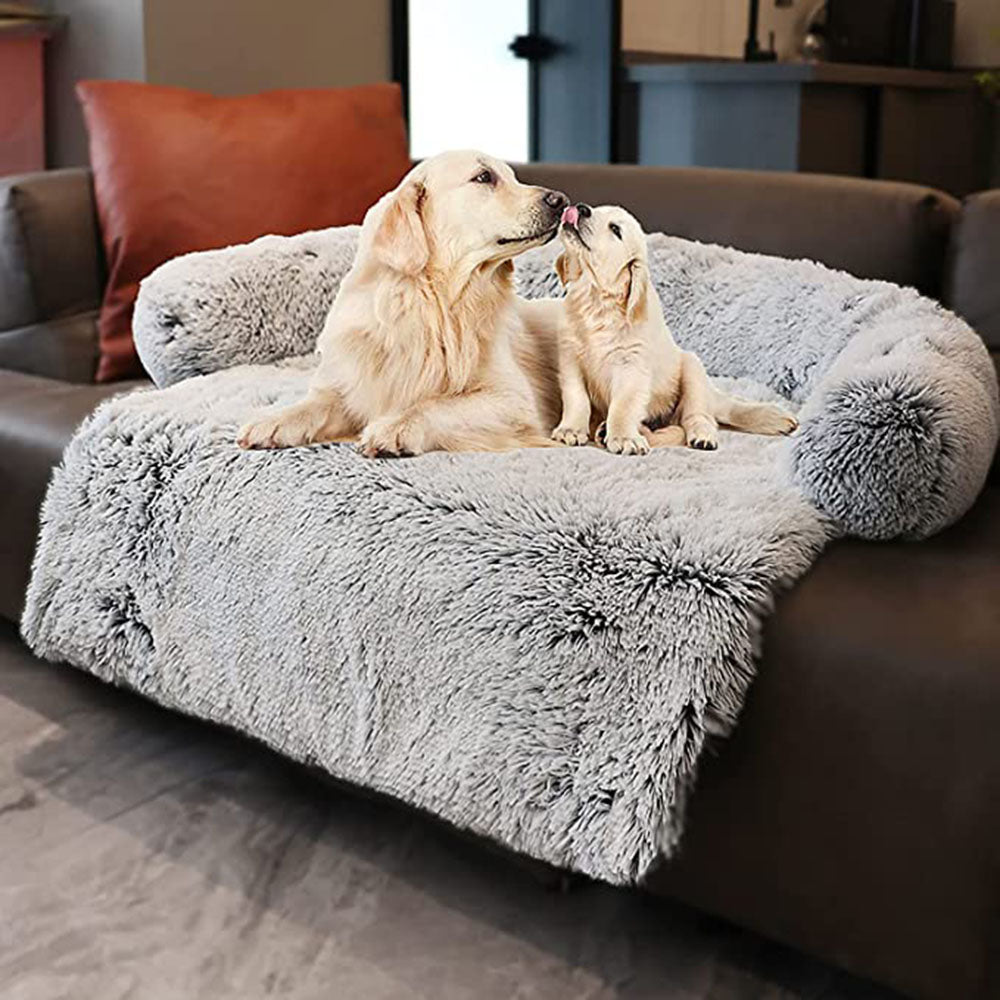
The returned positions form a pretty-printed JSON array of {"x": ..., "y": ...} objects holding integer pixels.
[
  {"x": 972, "y": 285},
  {"x": 51, "y": 274},
  {"x": 874, "y": 229},
  {"x": 52, "y": 269}
]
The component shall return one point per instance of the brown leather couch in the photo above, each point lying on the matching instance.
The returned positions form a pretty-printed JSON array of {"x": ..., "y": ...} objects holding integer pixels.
[{"x": 855, "y": 814}]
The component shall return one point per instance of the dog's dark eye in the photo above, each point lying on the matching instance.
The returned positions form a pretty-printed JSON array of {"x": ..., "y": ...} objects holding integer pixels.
[
  {"x": 484, "y": 177},
  {"x": 615, "y": 228}
]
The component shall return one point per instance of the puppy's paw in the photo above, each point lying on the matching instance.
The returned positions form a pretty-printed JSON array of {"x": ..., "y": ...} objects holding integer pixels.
[
  {"x": 703, "y": 442},
  {"x": 774, "y": 419},
  {"x": 702, "y": 434},
  {"x": 272, "y": 432},
  {"x": 628, "y": 444},
  {"x": 570, "y": 435},
  {"x": 388, "y": 437}
]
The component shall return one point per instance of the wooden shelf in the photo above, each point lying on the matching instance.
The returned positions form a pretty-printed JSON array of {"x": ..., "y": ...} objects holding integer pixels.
[
  {"x": 848, "y": 74},
  {"x": 30, "y": 27}
]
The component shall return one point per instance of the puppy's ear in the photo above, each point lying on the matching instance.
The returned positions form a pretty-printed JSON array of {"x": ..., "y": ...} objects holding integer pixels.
[
  {"x": 567, "y": 267},
  {"x": 635, "y": 291},
  {"x": 400, "y": 241}
]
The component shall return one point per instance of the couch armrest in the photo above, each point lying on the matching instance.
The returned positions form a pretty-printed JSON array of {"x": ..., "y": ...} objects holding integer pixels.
[{"x": 51, "y": 273}]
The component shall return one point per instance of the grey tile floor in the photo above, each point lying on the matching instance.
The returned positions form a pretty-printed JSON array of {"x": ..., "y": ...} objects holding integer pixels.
[{"x": 145, "y": 855}]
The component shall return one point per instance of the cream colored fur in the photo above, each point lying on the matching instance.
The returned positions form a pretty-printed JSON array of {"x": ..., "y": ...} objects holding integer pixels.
[
  {"x": 617, "y": 361},
  {"x": 420, "y": 350}
]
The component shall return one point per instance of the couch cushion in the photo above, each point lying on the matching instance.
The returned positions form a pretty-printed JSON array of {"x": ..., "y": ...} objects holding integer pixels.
[
  {"x": 50, "y": 266},
  {"x": 51, "y": 274},
  {"x": 973, "y": 282},
  {"x": 177, "y": 170},
  {"x": 37, "y": 419},
  {"x": 874, "y": 229},
  {"x": 55, "y": 215},
  {"x": 64, "y": 349},
  {"x": 17, "y": 303}
]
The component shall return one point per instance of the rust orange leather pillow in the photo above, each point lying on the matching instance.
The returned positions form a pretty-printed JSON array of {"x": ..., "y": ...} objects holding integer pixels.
[{"x": 176, "y": 171}]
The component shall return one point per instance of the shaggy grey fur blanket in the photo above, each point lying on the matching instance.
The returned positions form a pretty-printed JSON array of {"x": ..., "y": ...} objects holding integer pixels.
[{"x": 533, "y": 645}]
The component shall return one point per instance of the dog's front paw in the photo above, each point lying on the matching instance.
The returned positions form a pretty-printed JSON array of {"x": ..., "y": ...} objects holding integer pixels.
[
  {"x": 271, "y": 432},
  {"x": 627, "y": 444},
  {"x": 570, "y": 435},
  {"x": 388, "y": 437},
  {"x": 256, "y": 434},
  {"x": 776, "y": 420}
]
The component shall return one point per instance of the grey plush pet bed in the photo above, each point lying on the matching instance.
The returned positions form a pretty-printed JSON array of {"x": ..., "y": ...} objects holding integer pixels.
[{"x": 533, "y": 645}]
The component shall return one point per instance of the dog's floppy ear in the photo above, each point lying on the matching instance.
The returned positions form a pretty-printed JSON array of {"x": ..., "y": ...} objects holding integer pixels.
[
  {"x": 400, "y": 241},
  {"x": 635, "y": 290},
  {"x": 567, "y": 267}
]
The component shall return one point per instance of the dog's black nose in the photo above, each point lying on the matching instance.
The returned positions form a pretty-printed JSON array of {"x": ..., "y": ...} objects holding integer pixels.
[
  {"x": 584, "y": 210},
  {"x": 556, "y": 200}
]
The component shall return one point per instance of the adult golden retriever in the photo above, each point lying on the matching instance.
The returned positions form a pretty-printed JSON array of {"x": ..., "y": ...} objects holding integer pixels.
[
  {"x": 420, "y": 348},
  {"x": 617, "y": 358}
]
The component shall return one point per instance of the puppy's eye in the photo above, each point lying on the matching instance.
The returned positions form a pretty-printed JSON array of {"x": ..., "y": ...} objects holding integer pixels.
[
  {"x": 616, "y": 229},
  {"x": 484, "y": 177}
]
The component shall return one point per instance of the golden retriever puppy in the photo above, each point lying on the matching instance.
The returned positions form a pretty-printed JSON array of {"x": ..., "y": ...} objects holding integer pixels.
[
  {"x": 617, "y": 359},
  {"x": 418, "y": 350}
]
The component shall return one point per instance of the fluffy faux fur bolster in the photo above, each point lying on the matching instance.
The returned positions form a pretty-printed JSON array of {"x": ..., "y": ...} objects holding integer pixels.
[
  {"x": 257, "y": 303},
  {"x": 897, "y": 438}
]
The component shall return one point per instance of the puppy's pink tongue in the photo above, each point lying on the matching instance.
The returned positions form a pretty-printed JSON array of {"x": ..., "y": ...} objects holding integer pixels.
[{"x": 571, "y": 215}]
